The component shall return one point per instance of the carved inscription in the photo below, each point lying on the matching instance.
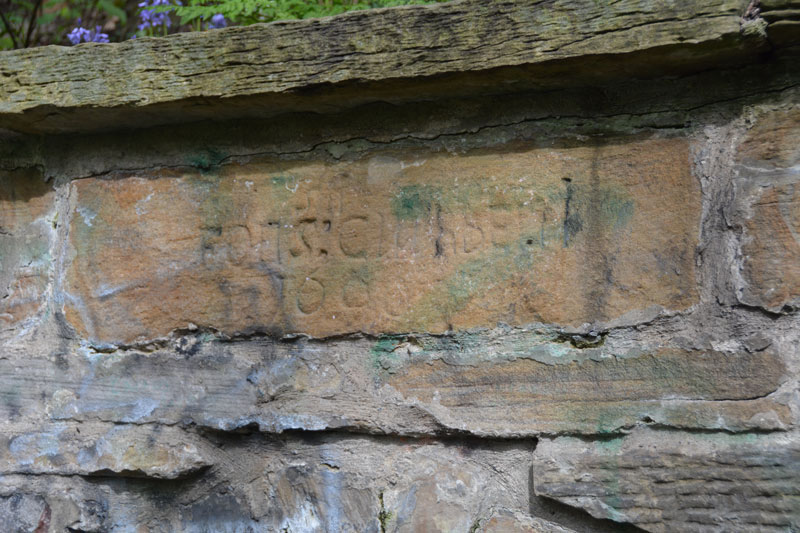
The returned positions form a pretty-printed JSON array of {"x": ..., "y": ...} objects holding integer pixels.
[{"x": 392, "y": 242}]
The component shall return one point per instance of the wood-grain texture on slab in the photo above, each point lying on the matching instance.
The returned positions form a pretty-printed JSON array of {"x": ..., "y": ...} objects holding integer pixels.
[
  {"x": 174, "y": 78},
  {"x": 329, "y": 385},
  {"x": 670, "y": 387}
]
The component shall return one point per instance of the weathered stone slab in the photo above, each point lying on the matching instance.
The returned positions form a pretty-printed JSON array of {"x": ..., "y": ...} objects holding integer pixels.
[
  {"x": 669, "y": 387},
  {"x": 23, "y": 512},
  {"x": 668, "y": 373},
  {"x": 783, "y": 17},
  {"x": 130, "y": 84},
  {"x": 505, "y": 521},
  {"x": 395, "y": 241},
  {"x": 26, "y": 228},
  {"x": 100, "y": 449},
  {"x": 367, "y": 317},
  {"x": 670, "y": 481},
  {"x": 400, "y": 386},
  {"x": 325, "y": 483},
  {"x": 769, "y": 195}
]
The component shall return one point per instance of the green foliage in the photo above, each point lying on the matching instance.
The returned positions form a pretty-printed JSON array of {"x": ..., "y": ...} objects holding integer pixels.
[
  {"x": 25, "y": 23},
  {"x": 243, "y": 12}
]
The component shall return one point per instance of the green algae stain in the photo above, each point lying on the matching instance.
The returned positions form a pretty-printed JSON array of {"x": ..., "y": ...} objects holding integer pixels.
[
  {"x": 391, "y": 352},
  {"x": 612, "y": 449},
  {"x": 383, "y": 354},
  {"x": 364, "y": 272},
  {"x": 206, "y": 159},
  {"x": 35, "y": 254},
  {"x": 90, "y": 225},
  {"x": 283, "y": 180},
  {"x": 616, "y": 210},
  {"x": 611, "y": 207},
  {"x": 592, "y": 211},
  {"x": 471, "y": 279},
  {"x": 611, "y": 446},
  {"x": 471, "y": 347},
  {"x": 414, "y": 202},
  {"x": 216, "y": 203}
]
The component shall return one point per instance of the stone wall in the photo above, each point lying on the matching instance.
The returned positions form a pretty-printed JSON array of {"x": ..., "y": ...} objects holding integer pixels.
[{"x": 508, "y": 266}]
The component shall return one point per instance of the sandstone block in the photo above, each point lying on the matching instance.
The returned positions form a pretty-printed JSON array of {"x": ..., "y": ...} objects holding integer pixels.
[
  {"x": 505, "y": 521},
  {"x": 463, "y": 267},
  {"x": 668, "y": 387},
  {"x": 359, "y": 484},
  {"x": 395, "y": 241},
  {"x": 769, "y": 194},
  {"x": 26, "y": 228},
  {"x": 24, "y": 512},
  {"x": 437, "y": 41},
  {"x": 671, "y": 481},
  {"x": 409, "y": 386},
  {"x": 100, "y": 449},
  {"x": 302, "y": 483}
]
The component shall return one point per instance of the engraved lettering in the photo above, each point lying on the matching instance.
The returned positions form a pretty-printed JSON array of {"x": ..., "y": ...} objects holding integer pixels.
[{"x": 310, "y": 296}]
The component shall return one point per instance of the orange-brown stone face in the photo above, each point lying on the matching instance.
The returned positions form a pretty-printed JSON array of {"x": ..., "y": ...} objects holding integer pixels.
[
  {"x": 774, "y": 141},
  {"x": 772, "y": 253},
  {"x": 770, "y": 182},
  {"x": 398, "y": 241},
  {"x": 25, "y": 201}
]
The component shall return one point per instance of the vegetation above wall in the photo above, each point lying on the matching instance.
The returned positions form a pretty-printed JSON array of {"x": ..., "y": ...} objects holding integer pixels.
[{"x": 26, "y": 23}]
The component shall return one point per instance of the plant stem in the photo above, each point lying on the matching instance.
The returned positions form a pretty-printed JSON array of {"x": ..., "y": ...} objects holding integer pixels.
[
  {"x": 10, "y": 30},
  {"x": 32, "y": 23}
]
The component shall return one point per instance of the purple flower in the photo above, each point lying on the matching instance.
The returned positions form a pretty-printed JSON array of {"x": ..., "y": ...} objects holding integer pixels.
[
  {"x": 217, "y": 22},
  {"x": 82, "y": 35},
  {"x": 98, "y": 36},
  {"x": 78, "y": 35},
  {"x": 150, "y": 18}
]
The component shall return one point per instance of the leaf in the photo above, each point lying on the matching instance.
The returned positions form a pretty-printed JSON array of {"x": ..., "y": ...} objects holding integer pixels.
[
  {"x": 47, "y": 18},
  {"x": 108, "y": 7}
]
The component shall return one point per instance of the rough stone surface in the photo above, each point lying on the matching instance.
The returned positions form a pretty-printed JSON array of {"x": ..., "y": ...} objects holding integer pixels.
[
  {"x": 664, "y": 481},
  {"x": 398, "y": 241},
  {"x": 26, "y": 217},
  {"x": 505, "y": 521},
  {"x": 395, "y": 386},
  {"x": 599, "y": 395},
  {"x": 769, "y": 185},
  {"x": 477, "y": 267},
  {"x": 92, "y": 450},
  {"x": 313, "y": 483},
  {"x": 180, "y": 75}
]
